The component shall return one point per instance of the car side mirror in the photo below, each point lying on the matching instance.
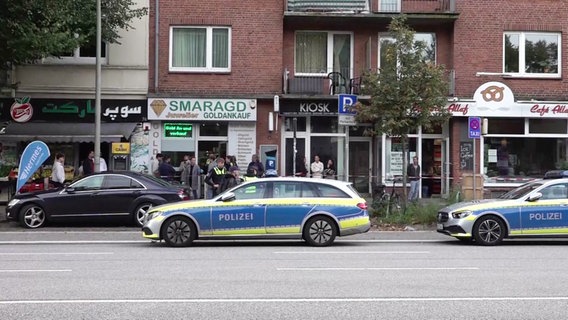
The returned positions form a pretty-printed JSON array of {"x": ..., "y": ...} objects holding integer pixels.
[
  {"x": 535, "y": 196},
  {"x": 69, "y": 189},
  {"x": 228, "y": 197}
]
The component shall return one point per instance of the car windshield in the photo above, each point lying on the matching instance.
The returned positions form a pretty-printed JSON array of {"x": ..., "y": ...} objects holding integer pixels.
[{"x": 521, "y": 191}]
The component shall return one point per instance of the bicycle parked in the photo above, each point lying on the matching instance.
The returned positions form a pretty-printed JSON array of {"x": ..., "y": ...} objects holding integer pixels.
[{"x": 386, "y": 202}]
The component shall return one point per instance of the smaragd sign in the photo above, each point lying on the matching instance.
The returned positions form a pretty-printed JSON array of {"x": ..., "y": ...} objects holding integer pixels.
[{"x": 202, "y": 109}]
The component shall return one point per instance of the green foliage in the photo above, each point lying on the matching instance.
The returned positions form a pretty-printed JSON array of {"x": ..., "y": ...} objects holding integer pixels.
[
  {"x": 408, "y": 91},
  {"x": 420, "y": 213},
  {"x": 34, "y": 29}
]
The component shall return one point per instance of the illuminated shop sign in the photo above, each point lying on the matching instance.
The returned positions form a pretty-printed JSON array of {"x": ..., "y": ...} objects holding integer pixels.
[{"x": 178, "y": 130}]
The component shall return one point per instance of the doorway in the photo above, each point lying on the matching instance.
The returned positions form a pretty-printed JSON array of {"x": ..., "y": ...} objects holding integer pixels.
[
  {"x": 360, "y": 165},
  {"x": 289, "y": 160}
]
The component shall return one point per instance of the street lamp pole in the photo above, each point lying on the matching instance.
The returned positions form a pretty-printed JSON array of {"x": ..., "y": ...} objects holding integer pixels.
[{"x": 98, "y": 92}]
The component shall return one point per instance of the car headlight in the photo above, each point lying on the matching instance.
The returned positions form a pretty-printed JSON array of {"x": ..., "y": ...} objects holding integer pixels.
[
  {"x": 461, "y": 214},
  {"x": 153, "y": 215},
  {"x": 13, "y": 202}
]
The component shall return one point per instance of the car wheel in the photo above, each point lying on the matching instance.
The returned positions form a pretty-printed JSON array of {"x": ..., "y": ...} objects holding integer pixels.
[
  {"x": 179, "y": 231},
  {"x": 320, "y": 231},
  {"x": 32, "y": 216},
  {"x": 140, "y": 213},
  {"x": 489, "y": 231}
]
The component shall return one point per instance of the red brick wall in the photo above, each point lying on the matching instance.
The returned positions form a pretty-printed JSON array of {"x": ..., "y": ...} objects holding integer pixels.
[
  {"x": 256, "y": 49},
  {"x": 478, "y": 43}
]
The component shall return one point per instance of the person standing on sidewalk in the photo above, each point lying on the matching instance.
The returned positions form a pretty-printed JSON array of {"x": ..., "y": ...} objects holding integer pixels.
[
  {"x": 413, "y": 173},
  {"x": 215, "y": 177},
  {"x": 58, "y": 171}
]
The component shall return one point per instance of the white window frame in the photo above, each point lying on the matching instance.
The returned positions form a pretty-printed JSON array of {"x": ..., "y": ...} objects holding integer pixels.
[
  {"x": 522, "y": 73},
  {"x": 76, "y": 58},
  {"x": 398, "y": 6},
  {"x": 383, "y": 35},
  {"x": 209, "y": 47},
  {"x": 330, "y": 35}
]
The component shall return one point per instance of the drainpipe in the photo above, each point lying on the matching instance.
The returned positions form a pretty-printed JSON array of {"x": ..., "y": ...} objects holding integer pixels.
[{"x": 156, "y": 44}]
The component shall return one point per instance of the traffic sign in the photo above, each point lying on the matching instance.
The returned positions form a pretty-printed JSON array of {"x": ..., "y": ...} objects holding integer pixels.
[
  {"x": 346, "y": 115},
  {"x": 345, "y": 101},
  {"x": 474, "y": 127}
]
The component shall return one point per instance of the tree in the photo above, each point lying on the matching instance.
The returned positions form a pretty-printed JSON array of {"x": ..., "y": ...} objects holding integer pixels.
[
  {"x": 34, "y": 29},
  {"x": 408, "y": 91}
]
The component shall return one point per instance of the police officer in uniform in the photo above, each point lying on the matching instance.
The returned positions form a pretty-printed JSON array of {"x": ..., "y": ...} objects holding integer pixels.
[
  {"x": 251, "y": 175},
  {"x": 215, "y": 176}
]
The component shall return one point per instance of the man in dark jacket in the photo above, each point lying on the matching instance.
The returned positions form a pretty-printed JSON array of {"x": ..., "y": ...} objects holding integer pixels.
[
  {"x": 256, "y": 165},
  {"x": 231, "y": 179},
  {"x": 167, "y": 171},
  {"x": 215, "y": 176}
]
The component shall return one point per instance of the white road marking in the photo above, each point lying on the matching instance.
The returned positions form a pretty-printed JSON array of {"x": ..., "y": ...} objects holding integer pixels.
[
  {"x": 367, "y": 269},
  {"x": 285, "y": 300},
  {"x": 203, "y": 241},
  {"x": 53, "y": 253},
  {"x": 39, "y": 270},
  {"x": 352, "y": 252}
]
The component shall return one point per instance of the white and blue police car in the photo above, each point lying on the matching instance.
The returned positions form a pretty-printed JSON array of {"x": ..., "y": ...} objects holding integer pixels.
[{"x": 538, "y": 208}]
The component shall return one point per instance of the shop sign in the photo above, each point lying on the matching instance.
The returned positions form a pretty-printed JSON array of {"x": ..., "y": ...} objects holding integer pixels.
[
  {"x": 242, "y": 142},
  {"x": 120, "y": 148},
  {"x": 71, "y": 110},
  {"x": 178, "y": 130},
  {"x": 202, "y": 109},
  {"x": 309, "y": 107}
]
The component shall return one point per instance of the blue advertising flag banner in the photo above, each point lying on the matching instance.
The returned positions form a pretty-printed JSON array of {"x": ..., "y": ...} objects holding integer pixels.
[{"x": 32, "y": 158}]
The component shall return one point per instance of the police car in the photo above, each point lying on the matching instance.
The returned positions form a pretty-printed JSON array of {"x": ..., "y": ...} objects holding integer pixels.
[
  {"x": 315, "y": 210},
  {"x": 536, "y": 209}
]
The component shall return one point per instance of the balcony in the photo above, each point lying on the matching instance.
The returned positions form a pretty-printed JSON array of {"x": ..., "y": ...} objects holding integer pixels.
[
  {"x": 328, "y": 5},
  {"x": 333, "y": 83},
  {"x": 369, "y": 7}
]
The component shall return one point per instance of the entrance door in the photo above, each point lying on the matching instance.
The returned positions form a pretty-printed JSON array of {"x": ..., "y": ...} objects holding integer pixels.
[
  {"x": 301, "y": 148},
  {"x": 360, "y": 165}
]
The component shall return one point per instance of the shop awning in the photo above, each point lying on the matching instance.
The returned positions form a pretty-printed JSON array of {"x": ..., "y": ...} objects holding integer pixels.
[{"x": 65, "y": 132}]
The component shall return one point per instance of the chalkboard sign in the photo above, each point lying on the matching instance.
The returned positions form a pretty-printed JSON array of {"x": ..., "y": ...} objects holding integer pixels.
[{"x": 466, "y": 156}]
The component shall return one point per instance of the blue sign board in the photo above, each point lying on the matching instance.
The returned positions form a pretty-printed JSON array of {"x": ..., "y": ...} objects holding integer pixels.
[
  {"x": 345, "y": 101},
  {"x": 474, "y": 127}
]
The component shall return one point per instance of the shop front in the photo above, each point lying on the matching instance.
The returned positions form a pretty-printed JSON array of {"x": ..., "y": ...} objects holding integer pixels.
[
  {"x": 521, "y": 141},
  {"x": 202, "y": 127},
  {"x": 65, "y": 125},
  {"x": 310, "y": 127}
]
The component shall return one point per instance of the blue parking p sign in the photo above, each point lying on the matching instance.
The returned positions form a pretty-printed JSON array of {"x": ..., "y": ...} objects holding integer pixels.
[
  {"x": 474, "y": 127},
  {"x": 345, "y": 101}
]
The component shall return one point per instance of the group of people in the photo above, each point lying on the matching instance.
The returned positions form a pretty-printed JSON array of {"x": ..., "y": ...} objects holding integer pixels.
[
  {"x": 317, "y": 168},
  {"x": 87, "y": 167}
]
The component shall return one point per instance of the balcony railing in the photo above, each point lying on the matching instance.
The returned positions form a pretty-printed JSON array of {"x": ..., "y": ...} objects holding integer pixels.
[
  {"x": 328, "y": 5},
  {"x": 375, "y": 6},
  {"x": 334, "y": 82}
]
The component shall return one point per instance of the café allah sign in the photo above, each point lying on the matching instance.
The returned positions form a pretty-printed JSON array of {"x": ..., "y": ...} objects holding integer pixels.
[
  {"x": 495, "y": 99},
  {"x": 202, "y": 109}
]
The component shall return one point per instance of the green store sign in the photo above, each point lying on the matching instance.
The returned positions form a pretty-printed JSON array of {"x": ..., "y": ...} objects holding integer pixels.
[{"x": 178, "y": 130}]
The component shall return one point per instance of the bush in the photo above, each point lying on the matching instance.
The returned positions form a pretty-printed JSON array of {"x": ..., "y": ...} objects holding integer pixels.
[{"x": 415, "y": 213}]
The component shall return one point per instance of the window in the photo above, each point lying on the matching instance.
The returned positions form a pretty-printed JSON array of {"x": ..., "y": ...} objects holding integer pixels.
[
  {"x": 532, "y": 54},
  {"x": 389, "y": 5},
  {"x": 90, "y": 183},
  {"x": 554, "y": 192},
  {"x": 85, "y": 54},
  {"x": 251, "y": 191},
  {"x": 319, "y": 53},
  {"x": 292, "y": 190},
  {"x": 327, "y": 191},
  {"x": 387, "y": 43},
  {"x": 200, "y": 49},
  {"x": 121, "y": 182}
]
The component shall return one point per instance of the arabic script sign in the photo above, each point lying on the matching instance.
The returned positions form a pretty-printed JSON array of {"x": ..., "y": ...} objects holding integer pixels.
[
  {"x": 202, "y": 109},
  {"x": 76, "y": 110}
]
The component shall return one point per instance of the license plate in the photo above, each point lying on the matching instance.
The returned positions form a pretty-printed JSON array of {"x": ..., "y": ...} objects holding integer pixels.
[{"x": 440, "y": 226}]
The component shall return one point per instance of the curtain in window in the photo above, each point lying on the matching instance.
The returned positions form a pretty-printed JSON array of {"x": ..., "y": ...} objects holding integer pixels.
[
  {"x": 189, "y": 47},
  {"x": 342, "y": 54},
  {"x": 220, "y": 48},
  {"x": 311, "y": 52}
]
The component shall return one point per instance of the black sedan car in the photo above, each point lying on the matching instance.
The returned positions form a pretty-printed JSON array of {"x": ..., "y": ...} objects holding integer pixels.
[{"x": 106, "y": 195}]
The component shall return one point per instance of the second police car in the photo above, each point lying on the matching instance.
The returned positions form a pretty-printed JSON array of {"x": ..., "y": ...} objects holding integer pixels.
[
  {"x": 316, "y": 210},
  {"x": 536, "y": 209}
]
